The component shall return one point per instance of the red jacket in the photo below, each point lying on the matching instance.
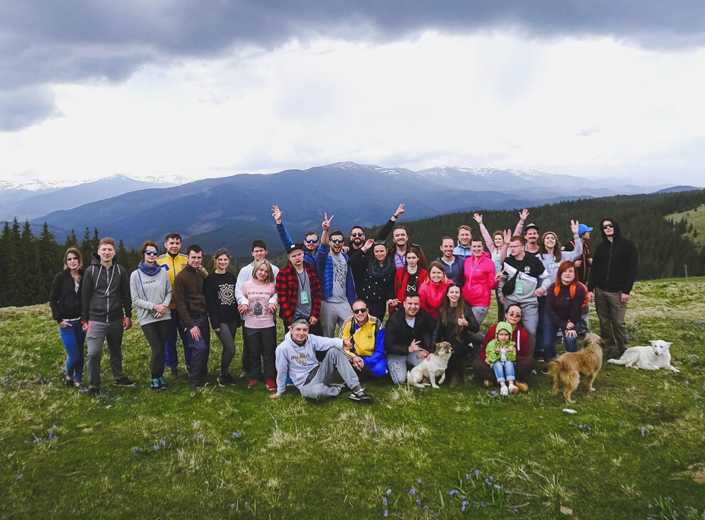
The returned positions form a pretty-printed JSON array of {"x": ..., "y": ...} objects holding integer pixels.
[
  {"x": 479, "y": 280},
  {"x": 520, "y": 337},
  {"x": 432, "y": 295},
  {"x": 287, "y": 287},
  {"x": 400, "y": 280}
]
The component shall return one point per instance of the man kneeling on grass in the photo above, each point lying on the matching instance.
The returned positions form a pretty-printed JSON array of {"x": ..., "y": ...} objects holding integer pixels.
[{"x": 296, "y": 355}]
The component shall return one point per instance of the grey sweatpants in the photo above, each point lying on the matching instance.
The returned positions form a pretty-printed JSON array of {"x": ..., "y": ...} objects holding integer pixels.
[
  {"x": 335, "y": 361},
  {"x": 397, "y": 366},
  {"x": 227, "y": 339},
  {"x": 96, "y": 335},
  {"x": 332, "y": 314}
]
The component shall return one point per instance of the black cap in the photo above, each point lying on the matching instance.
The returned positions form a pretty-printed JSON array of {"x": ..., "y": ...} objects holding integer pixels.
[
  {"x": 531, "y": 226},
  {"x": 294, "y": 247}
]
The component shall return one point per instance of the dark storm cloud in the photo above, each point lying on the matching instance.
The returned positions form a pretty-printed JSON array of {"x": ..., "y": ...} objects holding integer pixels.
[
  {"x": 25, "y": 107},
  {"x": 50, "y": 41}
]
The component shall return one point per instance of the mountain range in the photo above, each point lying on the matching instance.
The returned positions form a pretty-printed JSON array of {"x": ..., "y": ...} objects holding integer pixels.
[{"x": 232, "y": 211}]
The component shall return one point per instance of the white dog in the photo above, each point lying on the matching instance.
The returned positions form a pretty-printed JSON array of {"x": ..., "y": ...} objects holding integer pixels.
[
  {"x": 655, "y": 357},
  {"x": 433, "y": 366}
]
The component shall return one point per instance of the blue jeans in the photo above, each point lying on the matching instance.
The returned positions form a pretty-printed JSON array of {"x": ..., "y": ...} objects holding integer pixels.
[
  {"x": 73, "y": 338},
  {"x": 550, "y": 329},
  {"x": 504, "y": 369},
  {"x": 172, "y": 358}
]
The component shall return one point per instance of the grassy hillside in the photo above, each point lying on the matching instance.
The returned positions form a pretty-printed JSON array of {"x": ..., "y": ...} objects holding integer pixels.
[
  {"x": 694, "y": 217},
  {"x": 633, "y": 450}
]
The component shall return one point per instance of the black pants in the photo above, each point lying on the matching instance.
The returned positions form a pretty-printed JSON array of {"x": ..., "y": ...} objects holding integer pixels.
[
  {"x": 461, "y": 351},
  {"x": 156, "y": 334},
  {"x": 262, "y": 344},
  {"x": 377, "y": 309}
]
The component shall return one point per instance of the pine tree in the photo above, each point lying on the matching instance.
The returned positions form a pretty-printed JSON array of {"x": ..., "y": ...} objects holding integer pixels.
[
  {"x": 87, "y": 248},
  {"x": 29, "y": 276},
  {"x": 71, "y": 240},
  {"x": 50, "y": 261},
  {"x": 122, "y": 255}
]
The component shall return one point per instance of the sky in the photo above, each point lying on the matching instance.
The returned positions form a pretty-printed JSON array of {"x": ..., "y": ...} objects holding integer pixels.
[{"x": 600, "y": 88}]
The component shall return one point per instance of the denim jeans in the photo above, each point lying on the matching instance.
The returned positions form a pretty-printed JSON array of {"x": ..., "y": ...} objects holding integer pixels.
[
  {"x": 504, "y": 371},
  {"x": 550, "y": 329},
  {"x": 172, "y": 358},
  {"x": 73, "y": 338}
]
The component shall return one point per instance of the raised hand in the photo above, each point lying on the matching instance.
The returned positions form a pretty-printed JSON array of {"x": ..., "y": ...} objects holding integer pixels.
[
  {"x": 507, "y": 236},
  {"x": 574, "y": 227},
  {"x": 524, "y": 214},
  {"x": 478, "y": 218},
  {"x": 326, "y": 222},
  {"x": 366, "y": 247},
  {"x": 400, "y": 211},
  {"x": 276, "y": 213}
]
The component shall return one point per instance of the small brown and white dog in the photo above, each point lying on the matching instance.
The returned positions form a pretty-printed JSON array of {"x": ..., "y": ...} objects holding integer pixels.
[
  {"x": 570, "y": 365},
  {"x": 426, "y": 372}
]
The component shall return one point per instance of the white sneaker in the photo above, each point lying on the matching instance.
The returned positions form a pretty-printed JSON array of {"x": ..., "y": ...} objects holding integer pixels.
[
  {"x": 504, "y": 390},
  {"x": 513, "y": 389}
]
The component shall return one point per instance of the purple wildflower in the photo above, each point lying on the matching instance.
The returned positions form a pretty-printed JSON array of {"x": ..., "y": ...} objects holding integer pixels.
[
  {"x": 412, "y": 491},
  {"x": 643, "y": 431},
  {"x": 232, "y": 506},
  {"x": 386, "y": 513},
  {"x": 425, "y": 508},
  {"x": 464, "y": 505},
  {"x": 163, "y": 442},
  {"x": 482, "y": 504},
  {"x": 497, "y": 486},
  {"x": 453, "y": 492},
  {"x": 389, "y": 491},
  {"x": 687, "y": 384},
  {"x": 418, "y": 501},
  {"x": 200, "y": 436},
  {"x": 384, "y": 501},
  {"x": 237, "y": 435},
  {"x": 477, "y": 472},
  {"x": 156, "y": 447},
  {"x": 19, "y": 477}
]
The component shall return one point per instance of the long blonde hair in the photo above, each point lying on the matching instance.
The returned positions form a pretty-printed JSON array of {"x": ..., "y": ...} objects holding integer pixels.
[{"x": 270, "y": 273}]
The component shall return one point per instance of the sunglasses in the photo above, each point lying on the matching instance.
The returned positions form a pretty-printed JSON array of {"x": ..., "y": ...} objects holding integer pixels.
[
  {"x": 608, "y": 226},
  {"x": 336, "y": 240},
  {"x": 311, "y": 240},
  {"x": 357, "y": 234},
  {"x": 515, "y": 314},
  {"x": 360, "y": 311},
  {"x": 149, "y": 252}
]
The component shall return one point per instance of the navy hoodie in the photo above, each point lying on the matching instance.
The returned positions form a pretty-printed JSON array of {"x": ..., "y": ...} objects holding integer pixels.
[{"x": 614, "y": 263}]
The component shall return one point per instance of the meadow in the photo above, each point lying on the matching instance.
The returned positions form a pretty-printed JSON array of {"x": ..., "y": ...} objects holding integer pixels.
[{"x": 633, "y": 450}]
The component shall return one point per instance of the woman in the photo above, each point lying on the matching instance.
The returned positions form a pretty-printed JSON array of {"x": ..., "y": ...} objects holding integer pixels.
[
  {"x": 481, "y": 279},
  {"x": 551, "y": 255},
  {"x": 378, "y": 281},
  {"x": 408, "y": 279},
  {"x": 524, "y": 362},
  {"x": 564, "y": 304},
  {"x": 457, "y": 325},
  {"x": 260, "y": 328},
  {"x": 223, "y": 313},
  {"x": 65, "y": 303},
  {"x": 433, "y": 289},
  {"x": 151, "y": 295}
]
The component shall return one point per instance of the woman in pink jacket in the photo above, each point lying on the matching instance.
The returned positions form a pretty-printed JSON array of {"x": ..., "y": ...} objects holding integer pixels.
[
  {"x": 480, "y": 280},
  {"x": 433, "y": 289}
]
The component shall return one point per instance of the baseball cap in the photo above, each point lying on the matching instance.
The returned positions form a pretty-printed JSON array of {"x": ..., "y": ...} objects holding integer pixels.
[
  {"x": 294, "y": 247},
  {"x": 582, "y": 228}
]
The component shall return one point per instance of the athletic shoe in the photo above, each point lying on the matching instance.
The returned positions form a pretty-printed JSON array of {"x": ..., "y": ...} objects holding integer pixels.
[
  {"x": 155, "y": 385},
  {"x": 93, "y": 391},
  {"x": 124, "y": 381},
  {"x": 504, "y": 390},
  {"x": 343, "y": 387},
  {"x": 252, "y": 383},
  {"x": 243, "y": 375},
  {"x": 361, "y": 396},
  {"x": 513, "y": 389},
  {"x": 270, "y": 385},
  {"x": 174, "y": 372},
  {"x": 68, "y": 382},
  {"x": 228, "y": 379},
  {"x": 162, "y": 382},
  {"x": 522, "y": 386}
]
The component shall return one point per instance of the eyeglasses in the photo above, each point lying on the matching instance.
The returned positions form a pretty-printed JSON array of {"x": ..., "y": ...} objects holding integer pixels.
[
  {"x": 360, "y": 311},
  {"x": 357, "y": 234},
  {"x": 336, "y": 240},
  {"x": 311, "y": 240},
  {"x": 149, "y": 252},
  {"x": 608, "y": 226}
]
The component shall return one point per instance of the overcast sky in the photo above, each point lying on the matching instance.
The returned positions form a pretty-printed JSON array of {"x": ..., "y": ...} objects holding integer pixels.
[{"x": 600, "y": 88}]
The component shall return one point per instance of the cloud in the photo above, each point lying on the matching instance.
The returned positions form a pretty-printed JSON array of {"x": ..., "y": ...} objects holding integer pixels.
[
  {"x": 25, "y": 107},
  {"x": 586, "y": 132}
]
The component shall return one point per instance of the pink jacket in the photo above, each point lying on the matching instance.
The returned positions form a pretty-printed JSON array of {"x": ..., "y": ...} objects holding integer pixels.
[
  {"x": 432, "y": 294},
  {"x": 479, "y": 280}
]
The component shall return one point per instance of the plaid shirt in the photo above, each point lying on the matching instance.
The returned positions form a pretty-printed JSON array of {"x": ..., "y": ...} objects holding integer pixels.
[{"x": 287, "y": 287}]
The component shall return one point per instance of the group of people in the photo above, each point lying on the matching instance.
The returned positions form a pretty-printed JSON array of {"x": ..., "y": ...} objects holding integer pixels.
[{"x": 333, "y": 299}]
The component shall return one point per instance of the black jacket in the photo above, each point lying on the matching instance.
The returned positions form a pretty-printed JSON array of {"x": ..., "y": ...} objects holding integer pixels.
[
  {"x": 359, "y": 268},
  {"x": 614, "y": 263},
  {"x": 398, "y": 335},
  {"x": 105, "y": 293},
  {"x": 447, "y": 332},
  {"x": 64, "y": 301}
]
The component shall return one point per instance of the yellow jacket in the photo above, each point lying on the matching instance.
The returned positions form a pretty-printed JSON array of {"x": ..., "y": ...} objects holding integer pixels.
[
  {"x": 364, "y": 337},
  {"x": 175, "y": 265}
]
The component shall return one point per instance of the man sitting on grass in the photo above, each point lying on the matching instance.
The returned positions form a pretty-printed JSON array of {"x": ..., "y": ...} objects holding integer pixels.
[{"x": 296, "y": 355}]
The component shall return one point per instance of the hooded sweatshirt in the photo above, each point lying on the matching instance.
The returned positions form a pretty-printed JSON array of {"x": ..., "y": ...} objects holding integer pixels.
[
  {"x": 299, "y": 360},
  {"x": 149, "y": 290},
  {"x": 479, "y": 280},
  {"x": 520, "y": 338},
  {"x": 491, "y": 353},
  {"x": 432, "y": 294},
  {"x": 105, "y": 293},
  {"x": 614, "y": 263}
]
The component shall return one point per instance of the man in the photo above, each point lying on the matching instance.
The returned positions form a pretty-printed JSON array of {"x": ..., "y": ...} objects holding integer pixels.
[
  {"x": 357, "y": 240},
  {"x": 463, "y": 249},
  {"x": 259, "y": 252},
  {"x": 530, "y": 281},
  {"x": 611, "y": 280},
  {"x": 401, "y": 239},
  {"x": 408, "y": 338},
  {"x": 452, "y": 264},
  {"x": 107, "y": 306},
  {"x": 296, "y": 356},
  {"x": 191, "y": 306},
  {"x": 531, "y": 236},
  {"x": 310, "y": 240},
  {"x": 366, "y": 337},
  {"x": 336, "y": 279},
  {"x": 582, "y": 269},
  {"x": 175, "y": 262},
  {"x": 299, "y": 291}
]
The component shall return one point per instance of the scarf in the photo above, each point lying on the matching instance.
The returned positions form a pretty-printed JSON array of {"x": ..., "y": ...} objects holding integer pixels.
[{"x": 151, "y": 271}]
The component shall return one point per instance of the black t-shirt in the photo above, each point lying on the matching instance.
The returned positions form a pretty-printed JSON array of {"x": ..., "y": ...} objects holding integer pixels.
[{"x": 529, "y": 265}]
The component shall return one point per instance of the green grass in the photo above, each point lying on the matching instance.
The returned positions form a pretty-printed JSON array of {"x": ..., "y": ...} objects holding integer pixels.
[
  {"x": 234, "y": 453},
  {"x": 697, "y": 218}
]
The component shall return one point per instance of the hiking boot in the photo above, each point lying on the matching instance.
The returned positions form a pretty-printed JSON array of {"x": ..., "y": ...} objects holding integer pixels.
[
  {"x": 124, "y": 381},
  {"x": 523, "y": 387},
  {"x": 155, "y": 385},
  {"x": 270, "y": 385},
  {"x": 454, "y": 380},
  {"x": 227, "y": 378},
  {"x": 93, "y": 391},
  {"x": 68, "y": 382},
  {"x": 252, "y": 383},
  {"x": 361, "y": 396}
]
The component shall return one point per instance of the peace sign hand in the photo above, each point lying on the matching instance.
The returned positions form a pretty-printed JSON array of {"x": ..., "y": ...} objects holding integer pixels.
[{"x": 326, "y": 222}]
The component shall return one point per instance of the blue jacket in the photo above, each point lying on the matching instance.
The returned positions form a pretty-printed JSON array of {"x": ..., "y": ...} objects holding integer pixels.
[
  {"x": 324, "y": 267},
  {"x": 287, "y": 241}
]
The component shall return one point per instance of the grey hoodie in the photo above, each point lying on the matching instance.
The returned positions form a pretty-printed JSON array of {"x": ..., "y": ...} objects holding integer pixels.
[
  {"x": 298, "y": 361},
  {"x": 147, "y": 291},
  {"x": 105, "y": 293}
]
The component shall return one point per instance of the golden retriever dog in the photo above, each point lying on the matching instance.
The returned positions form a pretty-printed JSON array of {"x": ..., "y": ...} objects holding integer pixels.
[
  {"x": 570, "y": 365},
  {"x": 433, "y": 366}
]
